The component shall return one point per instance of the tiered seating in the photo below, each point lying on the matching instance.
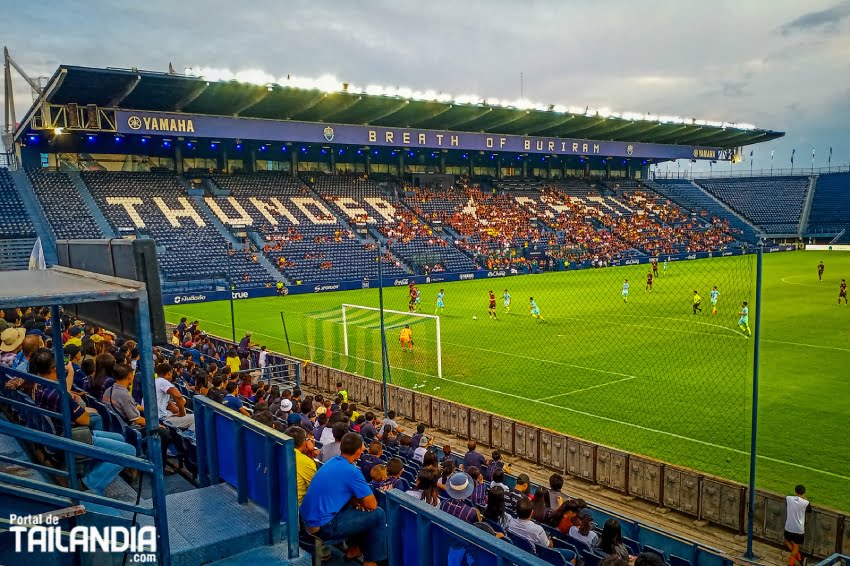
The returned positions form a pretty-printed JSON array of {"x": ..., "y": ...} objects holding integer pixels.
[
  {"x": 772, "y": 203},
  {"x": 303, "y": 238},
  {"x": 698, "y": 202},
  {"x": 830, "y": 212},
  {"x": 156, "y": 203},
  {"x": 14, "y": 222},
  {"x": 68, "y": 215},
  {"x": 408, "y": 236}
]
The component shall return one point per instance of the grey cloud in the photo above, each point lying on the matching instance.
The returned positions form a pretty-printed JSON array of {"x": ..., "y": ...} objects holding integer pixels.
[{"x": 825, "y": 20}]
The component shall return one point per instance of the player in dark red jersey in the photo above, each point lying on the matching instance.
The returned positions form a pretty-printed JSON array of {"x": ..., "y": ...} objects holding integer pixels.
[
  {"x": 492, "y": 308},
  {"x": 842, "y": 292},
  {"x": 411, "y": 304},
  {"x": 655, "y": 267},
  {"x": 649, "y": 281},
  {"x": 820, "y": 271}
]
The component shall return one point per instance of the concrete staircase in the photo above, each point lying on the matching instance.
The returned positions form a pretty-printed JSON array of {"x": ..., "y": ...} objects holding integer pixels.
[
  {"x": 207, "y": 526},
  {"x": 807, "y": 205},
  {"x": 36, "y": 214},
  {"x": 15, "y": 253},
  {"x": 691, "y": 196},
  {"x": 210, "y": 217},
  {"x": 85, "y": 194}
]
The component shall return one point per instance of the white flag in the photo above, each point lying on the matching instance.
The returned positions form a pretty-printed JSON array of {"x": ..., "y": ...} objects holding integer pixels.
[{"x": 37, "y": 256}]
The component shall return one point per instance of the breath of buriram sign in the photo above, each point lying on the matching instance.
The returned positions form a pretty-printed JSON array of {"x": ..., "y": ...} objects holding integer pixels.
[{"x": 224, "y": 127}]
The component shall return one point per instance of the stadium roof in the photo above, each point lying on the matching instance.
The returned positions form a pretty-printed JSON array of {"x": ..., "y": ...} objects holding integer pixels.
[{"x": 340, "y": 103}]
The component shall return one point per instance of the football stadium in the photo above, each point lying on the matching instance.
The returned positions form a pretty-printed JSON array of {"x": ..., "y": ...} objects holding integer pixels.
[{"x": 305, "y": 320}]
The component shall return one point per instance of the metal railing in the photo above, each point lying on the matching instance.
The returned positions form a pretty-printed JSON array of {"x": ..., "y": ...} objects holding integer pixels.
[
  {"x": 717, "y": 173},
  {"x": 841, "y": 559}
]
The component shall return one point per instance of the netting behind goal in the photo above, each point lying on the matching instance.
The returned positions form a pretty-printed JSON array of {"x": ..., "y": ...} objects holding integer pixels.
[{"x": 348, "y": 337}]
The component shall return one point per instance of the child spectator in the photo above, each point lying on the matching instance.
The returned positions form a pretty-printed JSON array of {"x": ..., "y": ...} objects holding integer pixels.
[
  {"x": 395, "y": 468},
  {"x": 378, "y": 474}
]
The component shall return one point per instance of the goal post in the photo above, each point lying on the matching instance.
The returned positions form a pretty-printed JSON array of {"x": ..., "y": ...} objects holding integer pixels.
[{"x": 413, "y": 315}]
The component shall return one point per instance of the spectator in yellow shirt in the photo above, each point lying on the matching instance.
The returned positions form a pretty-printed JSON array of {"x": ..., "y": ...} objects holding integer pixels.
[
  {"x": 305, "y": 466},
  {"x": 232, "y": 361}
]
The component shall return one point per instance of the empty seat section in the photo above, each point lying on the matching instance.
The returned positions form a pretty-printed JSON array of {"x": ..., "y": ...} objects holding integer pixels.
[
  {"x": 68, "y": 215},
  {"x": 830, "y": 212},
  {"x": 14, "y": 221},
  {"x": 302, "y": 236},
  {"x": 772, "y": 203},
  {"x": 156, "y": 204}
]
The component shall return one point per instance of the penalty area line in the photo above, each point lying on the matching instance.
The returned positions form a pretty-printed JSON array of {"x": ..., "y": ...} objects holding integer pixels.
[
  {"x": 587, "y": 388},
  {"x": 603, "y": 418}
]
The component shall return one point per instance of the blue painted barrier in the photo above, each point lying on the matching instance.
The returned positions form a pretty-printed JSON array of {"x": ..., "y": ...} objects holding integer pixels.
[
  {"x": 257, "y": 461},
  {"x": 419, "y": 534}
]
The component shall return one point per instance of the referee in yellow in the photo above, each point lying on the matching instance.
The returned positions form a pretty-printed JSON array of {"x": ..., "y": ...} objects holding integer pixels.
[{"x": 697, "y": 302}]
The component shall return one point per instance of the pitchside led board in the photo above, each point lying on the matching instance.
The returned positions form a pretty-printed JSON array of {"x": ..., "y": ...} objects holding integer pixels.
[
  {"x": 223, "y": 127},
  {"x": 127, "y": 259}
]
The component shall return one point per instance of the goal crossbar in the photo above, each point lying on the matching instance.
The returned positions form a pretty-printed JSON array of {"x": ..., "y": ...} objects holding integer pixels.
[{"x": 436, "y": 319}]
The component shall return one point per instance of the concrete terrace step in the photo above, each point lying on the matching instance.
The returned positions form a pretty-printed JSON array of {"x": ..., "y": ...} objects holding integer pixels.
[
  {"x": 36, "y": 214},
  {"x": 207, "y": 524},
  {"x": 277, "y": 554},
  {"x": 95, "y": 211}
]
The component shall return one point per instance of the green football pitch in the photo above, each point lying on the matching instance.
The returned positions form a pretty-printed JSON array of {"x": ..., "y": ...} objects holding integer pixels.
[{"x": 648, "y": 375}]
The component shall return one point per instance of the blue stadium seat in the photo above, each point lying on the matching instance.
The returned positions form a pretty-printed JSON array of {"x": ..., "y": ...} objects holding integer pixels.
[
  {"x": 772, "y": 203},
  {"x": 14, "y": 222},
  {"x": 830, "y": 211}
]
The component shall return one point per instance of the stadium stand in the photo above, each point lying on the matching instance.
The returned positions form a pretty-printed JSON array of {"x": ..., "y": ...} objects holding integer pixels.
[
  {"x": 154, "y": 205},
  {"x": 388, "y": 218},
  {"x": 14, "y": 222},
  {"x": 774, "y": 204},
  {"x": 297, "y": 230},
  {"x": 830, "y": 210},
  {"x": 68, "y": 215},
  {"x": 692, "y": 197}
]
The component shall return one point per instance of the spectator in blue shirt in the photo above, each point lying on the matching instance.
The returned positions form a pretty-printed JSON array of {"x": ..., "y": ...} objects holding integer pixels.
[
  {"x": 231, "y": 401},
  {"x": 473, "y": 458},
  {"x": 340, "y": 504}
]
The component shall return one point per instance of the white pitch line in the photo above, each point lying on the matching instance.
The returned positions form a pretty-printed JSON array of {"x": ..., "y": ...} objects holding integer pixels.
[
  {"x": 807, "y": 345},
  {"x": 661, "y": 327},
  {"x": 600, "y": 417},
  {"x": 586, "y": 388},
  {"x": 799, "y": 284}
]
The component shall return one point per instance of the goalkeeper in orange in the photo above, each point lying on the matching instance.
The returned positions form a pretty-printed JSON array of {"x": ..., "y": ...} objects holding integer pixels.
[{"x": 406, "y": 338}]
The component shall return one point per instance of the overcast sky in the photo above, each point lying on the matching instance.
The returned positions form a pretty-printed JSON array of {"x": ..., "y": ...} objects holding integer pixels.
[{"x": 778, "y": 64}]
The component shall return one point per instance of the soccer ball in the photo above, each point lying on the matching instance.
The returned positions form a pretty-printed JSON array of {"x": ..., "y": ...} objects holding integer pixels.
[{"x": 474, "y": 317}]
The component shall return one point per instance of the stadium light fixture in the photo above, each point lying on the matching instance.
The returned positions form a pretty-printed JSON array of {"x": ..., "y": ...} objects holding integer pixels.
[
  {"x": 329, "y": 84},
  {"x": 117, "y": 139},
  {"x": 238, "y": 146},
  {"x": 58, "y": 131},
  {"x": 213, "y": 145},
  {"x": 90, "y": 138}
]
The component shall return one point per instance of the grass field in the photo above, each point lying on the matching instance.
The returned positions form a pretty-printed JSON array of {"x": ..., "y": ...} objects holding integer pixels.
[{"x": 646, "y": 376}]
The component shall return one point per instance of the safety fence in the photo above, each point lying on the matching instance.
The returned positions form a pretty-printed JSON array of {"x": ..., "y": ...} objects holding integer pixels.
[
  {"x": 714, "y": 500},
  {"x": 717, "y": 501},
  {"x": 367, "y": 283}
]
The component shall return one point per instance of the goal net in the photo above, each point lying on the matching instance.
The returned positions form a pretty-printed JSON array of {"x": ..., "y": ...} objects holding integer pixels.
[{"x": 349, "y": 338}]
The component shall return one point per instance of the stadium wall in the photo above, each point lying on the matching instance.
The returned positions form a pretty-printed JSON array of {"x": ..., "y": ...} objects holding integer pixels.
[
  {"x": 700, "y": 496},
  {"x": 827, "y": 248},
  {"x": 208, "y": 296}
]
